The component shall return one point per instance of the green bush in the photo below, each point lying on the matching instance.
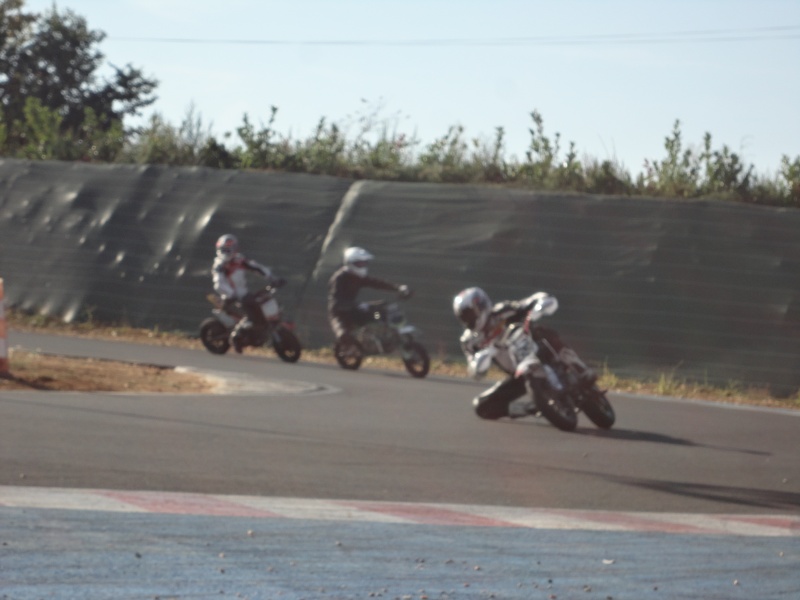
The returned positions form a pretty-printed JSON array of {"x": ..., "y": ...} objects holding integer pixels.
[
  {"x": 74, "y": 114},
  {"x": 378, "y": 152}
]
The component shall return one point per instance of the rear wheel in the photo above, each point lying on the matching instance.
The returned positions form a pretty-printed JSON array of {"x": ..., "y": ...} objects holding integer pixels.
[
  {"x": 286, "y": 345},
  {"x": 598, "y": 409},
  {"x": 416, "y": 359},
  {"x": 556, "y": 406},
  {"x": 214, "y": 336},
  {"x": 348, "y": 354}
]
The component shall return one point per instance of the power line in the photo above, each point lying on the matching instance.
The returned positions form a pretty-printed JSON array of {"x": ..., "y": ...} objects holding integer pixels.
[{"x": 784, "y": 32}]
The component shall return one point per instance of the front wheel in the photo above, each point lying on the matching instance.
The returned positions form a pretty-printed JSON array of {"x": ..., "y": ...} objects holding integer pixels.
[
  {"x": 416, "y": 359},
  {"x": 598, "y": 409},
  {"x": 214, "y": 336},
  {"x": 286, "y": 345},
  {"x": 556, "y": 406},
  {"x": 348, "y": 354}
]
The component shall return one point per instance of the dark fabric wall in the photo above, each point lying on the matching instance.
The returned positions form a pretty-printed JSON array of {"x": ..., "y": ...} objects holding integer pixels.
[
  {"x": 702, "y": 288},
  {"x": 137, "y": 243},
  {"x": 706, "y": 289}
]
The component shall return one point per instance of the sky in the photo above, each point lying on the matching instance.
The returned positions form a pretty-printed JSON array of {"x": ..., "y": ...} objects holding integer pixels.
[{"x": 612, "y": 76}]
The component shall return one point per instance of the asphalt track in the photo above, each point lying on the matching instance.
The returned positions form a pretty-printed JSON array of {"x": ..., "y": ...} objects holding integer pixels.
[{"x": 306, "y": 481}]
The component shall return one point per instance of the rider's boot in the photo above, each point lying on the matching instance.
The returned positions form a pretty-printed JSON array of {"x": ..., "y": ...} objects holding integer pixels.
[
  {"x": 496, "y": 402},
  {"x": 517, "y": 410},
  {"x": 586, "y": 375}
]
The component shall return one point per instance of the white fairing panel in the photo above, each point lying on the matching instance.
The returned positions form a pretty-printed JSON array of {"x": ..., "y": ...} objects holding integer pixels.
[{"x": 270, "y": 308}]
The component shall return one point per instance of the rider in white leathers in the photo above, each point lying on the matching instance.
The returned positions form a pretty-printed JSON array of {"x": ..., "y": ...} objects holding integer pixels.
[
  {"x": 484, "y": 325},
  {"x": 230, "y": 283}
]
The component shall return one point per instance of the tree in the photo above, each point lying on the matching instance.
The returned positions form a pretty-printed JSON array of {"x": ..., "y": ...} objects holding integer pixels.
[{"x": 53, "y": 57}]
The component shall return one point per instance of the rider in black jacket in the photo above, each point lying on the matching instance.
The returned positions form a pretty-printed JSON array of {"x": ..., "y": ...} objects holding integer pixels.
[{"x": 345, "y": 313}]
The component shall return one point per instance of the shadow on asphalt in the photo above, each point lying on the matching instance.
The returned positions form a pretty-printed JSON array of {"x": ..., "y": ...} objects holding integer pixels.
[
  {"x": 741, "y": 496},
  {"x": 630, "y": 435}
]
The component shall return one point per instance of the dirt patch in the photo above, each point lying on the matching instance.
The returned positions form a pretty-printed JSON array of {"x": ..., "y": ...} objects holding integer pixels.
[{"x": 34, "y": 371}]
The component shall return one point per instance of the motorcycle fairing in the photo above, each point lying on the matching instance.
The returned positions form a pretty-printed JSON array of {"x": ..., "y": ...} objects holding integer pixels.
[{"x": 270, "y": 309}]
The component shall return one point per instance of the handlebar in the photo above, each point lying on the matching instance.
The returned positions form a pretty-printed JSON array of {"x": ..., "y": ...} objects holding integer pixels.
[{"x": 481, "y": 361}]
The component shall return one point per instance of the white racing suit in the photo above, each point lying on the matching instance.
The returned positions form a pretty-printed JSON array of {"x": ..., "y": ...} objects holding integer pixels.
[
  {"x": 230, "y": 282},
  {"x": 496, "y": 402}
]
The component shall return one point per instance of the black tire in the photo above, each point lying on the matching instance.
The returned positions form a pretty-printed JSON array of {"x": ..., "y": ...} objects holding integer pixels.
[
  {"x": 286, "y": 345},
  {"x": 214, "y": 336},
  {"x": 416, "y": 359},
  {"x": 348, "y": 354},
  {"x": 557, "y": 407},
  {"x": 598, "y": 409}
]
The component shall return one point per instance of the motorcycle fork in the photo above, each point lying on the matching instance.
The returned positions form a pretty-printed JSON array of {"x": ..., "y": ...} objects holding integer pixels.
[
  {"x": 405, "y": 344},
  {"x": 376, "y": 339},
  {"x": 548, "y": 373},
  {"x": 562, "y": 381},
  {"x": 379, "y": 331}
]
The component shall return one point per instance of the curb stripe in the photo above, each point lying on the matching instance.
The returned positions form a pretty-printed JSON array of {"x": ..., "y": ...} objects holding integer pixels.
[
  {"x": 185, "y": 504},
  {"x": 642, "y": 521},
  {"x": 429, "y": 514},
  {"x": 177, "y": 503}
]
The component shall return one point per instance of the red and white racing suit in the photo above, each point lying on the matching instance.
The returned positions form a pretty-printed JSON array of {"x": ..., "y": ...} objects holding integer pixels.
[{"x": 230, "y": 282}]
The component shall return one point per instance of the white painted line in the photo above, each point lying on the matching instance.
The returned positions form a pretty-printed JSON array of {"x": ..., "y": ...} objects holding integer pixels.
[{"x": 239, "y": 383}]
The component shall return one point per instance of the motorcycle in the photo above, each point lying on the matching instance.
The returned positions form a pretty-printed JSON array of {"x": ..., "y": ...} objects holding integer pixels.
[
  {"x": 387, "y": 332},
  {"x": 215, "y": 331},
  {"x": 558, "y": 389}
]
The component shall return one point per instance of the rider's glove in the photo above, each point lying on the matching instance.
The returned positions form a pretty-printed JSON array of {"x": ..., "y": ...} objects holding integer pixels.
[
  {"x": 404, "y": 291},
  {"x": 480, "y": 362}
]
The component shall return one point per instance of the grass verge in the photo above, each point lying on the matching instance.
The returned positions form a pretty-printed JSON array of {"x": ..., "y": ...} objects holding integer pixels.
[{"x": 37, "y": 371}]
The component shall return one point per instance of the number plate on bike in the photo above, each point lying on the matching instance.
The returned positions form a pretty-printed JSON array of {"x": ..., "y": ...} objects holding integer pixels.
[{"x": 521, "y": 347}]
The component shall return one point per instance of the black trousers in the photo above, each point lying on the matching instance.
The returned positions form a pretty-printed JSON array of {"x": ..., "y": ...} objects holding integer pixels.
[
  {"x": 345, "y": 320},
  {"x": 493, "y": 403},
  {"x": 253, "y": 310}
]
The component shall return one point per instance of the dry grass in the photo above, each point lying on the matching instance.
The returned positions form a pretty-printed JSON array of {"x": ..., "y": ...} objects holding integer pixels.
[
  {"x": 57, "y": 373},
  {"x": 34, "y": 371}
]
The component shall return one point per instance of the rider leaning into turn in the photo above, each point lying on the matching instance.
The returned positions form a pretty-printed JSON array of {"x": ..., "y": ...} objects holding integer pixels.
[
  {"x": 230, "y": 283},
  {"x": 484, "y": 325},
  {"x": 345, "y": 313}
]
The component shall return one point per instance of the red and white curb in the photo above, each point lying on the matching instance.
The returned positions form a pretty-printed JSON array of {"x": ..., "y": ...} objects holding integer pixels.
[{"x": 121, "y": 501}]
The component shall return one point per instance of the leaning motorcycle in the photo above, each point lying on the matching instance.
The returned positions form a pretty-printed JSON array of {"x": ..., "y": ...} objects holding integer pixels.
[
  {"x": 558, "y": 392},
  {"x": 215, "y": 331},
  {"x": 389, "y": 331}
]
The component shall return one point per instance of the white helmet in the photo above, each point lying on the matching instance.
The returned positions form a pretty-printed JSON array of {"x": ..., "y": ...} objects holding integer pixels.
[
  {"x": 472, "y": 307},
  {"x": 356, "y": 260},
  {"x": 227, "y": 245}
]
